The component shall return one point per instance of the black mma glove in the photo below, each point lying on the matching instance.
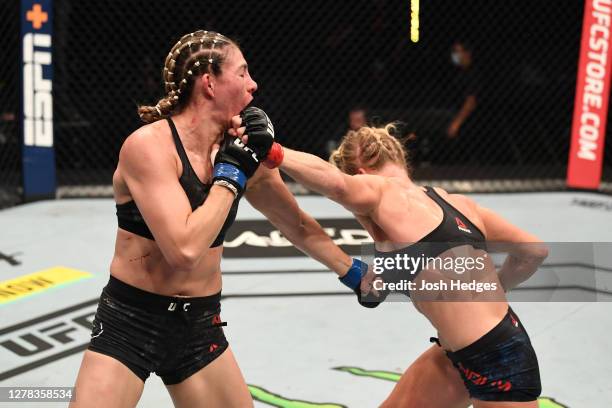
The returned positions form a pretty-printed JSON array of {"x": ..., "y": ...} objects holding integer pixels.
[
  {"x": 260, "y": 130},
  {"x": 235, "y": 163}
]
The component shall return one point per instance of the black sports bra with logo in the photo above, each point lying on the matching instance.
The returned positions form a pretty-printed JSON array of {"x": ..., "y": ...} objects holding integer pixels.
[
  {"x": 130, "y": 219},
  {"x": 454, "y": 230}
]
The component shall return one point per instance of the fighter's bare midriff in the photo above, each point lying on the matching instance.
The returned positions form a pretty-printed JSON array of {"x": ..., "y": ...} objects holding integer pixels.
[{"x": 139, "y": 262}]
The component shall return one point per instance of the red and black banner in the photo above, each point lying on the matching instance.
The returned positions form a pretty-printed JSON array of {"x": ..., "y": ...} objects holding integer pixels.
[{"x": 592, "y": 93}]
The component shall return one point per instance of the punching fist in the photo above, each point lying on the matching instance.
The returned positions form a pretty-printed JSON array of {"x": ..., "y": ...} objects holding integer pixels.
[{"x": 259, "y": 129}]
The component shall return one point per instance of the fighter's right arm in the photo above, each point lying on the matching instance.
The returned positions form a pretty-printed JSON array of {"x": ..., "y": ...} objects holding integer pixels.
[
  {"x": 359, "y": 194},
  {"x": 151, "y": 175}
]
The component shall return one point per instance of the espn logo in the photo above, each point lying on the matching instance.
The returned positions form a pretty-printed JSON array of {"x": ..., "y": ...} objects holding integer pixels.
[
  {"x": 37, "y": 74},
  {"x": 37, "y": 98}
]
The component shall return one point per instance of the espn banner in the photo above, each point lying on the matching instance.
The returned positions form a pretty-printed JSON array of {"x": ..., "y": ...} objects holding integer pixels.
[
  {"x": 37, "y": 105},
  {"x": 591, "y": 102}
]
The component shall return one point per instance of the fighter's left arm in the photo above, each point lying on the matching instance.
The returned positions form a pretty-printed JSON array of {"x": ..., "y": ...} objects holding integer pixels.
[{"x": 268, "y": 194}]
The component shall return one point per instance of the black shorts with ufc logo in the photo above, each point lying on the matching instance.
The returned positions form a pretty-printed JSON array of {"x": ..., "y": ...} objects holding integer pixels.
[{"x": 172, "y": 336}]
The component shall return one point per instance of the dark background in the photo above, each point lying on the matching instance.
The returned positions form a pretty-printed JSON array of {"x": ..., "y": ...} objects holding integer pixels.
[{"x": 313, "y": 61}]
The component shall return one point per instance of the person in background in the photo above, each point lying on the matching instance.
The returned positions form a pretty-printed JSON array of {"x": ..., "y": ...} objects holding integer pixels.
[
  {"x": 467, "y": 85},
  {"x": 357, "y": 118}
]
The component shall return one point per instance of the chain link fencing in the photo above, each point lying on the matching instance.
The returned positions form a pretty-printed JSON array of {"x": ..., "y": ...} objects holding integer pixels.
[{"x": 315, "y": 61}]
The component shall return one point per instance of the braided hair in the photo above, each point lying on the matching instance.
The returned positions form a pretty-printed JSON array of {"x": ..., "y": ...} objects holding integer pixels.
[{"x": 193, "y": 55}]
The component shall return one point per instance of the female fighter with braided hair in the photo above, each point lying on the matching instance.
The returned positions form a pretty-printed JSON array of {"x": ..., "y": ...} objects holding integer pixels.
[
  {"x": 160, "y": 311},
  {"x": 484, "y": 355}
]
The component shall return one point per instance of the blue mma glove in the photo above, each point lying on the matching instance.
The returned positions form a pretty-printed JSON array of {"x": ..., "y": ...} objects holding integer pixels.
[{"x": 352, "y": 280}]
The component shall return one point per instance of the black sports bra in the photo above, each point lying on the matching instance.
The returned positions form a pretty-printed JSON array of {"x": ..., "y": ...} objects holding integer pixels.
[
  {"x": 130, "y": 219},
  {"x": 454, "y": 230}
]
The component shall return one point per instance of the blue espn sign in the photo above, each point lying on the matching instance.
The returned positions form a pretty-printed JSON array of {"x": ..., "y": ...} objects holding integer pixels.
[{"x": 37, "y": 102}]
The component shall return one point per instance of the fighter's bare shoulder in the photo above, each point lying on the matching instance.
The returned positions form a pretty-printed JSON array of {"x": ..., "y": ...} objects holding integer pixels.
[
  {"x": 460, "y": 199},
  {"x": 146, "y": 145}
]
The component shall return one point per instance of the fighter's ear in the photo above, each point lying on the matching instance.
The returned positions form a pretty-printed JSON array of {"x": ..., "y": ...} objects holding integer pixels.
[{"x": 208, "y": 84}]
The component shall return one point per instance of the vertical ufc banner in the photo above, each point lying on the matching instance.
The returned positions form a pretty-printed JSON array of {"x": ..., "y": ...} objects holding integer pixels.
[
  {"x": 37, "y": 101},
  {"x": 591, "y": 102}
]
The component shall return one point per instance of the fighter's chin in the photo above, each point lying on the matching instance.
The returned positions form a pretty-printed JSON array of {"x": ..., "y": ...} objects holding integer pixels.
[
  {"x": 244, "y": 105},
  {"x": 249, "y": 100}
]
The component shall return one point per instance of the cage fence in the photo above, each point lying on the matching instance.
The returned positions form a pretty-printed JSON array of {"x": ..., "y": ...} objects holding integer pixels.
[{"x": 314, "y": 63}]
